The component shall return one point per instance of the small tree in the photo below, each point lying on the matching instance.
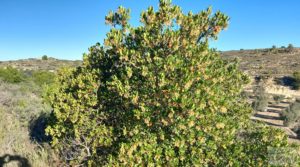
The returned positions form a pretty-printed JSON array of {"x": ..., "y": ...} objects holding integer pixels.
[
  {"x": 292, "y": 113},
  {"x": 290, "y": 48},
  {"x": 156, "y": 95},
  {"x": 261, "y": 101},
  {"x": 45, "y": 57},
  {"x": 274, "y": 49}
]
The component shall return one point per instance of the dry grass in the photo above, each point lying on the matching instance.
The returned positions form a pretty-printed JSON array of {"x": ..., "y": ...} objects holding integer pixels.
[{"x": 18, "y": 105}]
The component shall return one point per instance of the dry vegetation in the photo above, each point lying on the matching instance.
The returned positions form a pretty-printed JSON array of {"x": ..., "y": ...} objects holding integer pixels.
[
  {"x": 51, "y": 64},
  {"x": 23, "y": 113},
  {"x": 267, "y": 62},
  {"x": 19, "y": 105}
]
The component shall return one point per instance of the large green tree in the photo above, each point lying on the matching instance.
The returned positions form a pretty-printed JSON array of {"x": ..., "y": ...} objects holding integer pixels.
[{"x": 156, "y": 95}]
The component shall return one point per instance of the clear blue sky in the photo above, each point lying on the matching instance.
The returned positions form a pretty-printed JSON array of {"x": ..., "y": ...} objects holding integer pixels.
[{"x": 67, "y": 28}]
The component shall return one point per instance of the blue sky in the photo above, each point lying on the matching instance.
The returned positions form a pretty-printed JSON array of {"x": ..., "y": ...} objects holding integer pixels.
[{"x": 65, "y": 29}]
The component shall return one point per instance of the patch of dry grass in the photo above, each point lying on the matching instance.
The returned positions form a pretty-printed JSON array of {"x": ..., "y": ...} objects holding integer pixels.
[{"x": 19, "y": 104}]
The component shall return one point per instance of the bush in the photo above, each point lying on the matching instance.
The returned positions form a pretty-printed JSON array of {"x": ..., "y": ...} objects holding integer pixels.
[
  {"x": 292, "y": 114},
  {"x": 261, "y": 101},
  {"x": 290, "y": 48},
  {"x": 278, "y": 98},
  {"x": 11, "y": 75},
  {"x": 156, "y": 95},
  {"x": 45, "y": 57},
  {"x": 274, "y": 49},
  {"x": 43, "y": 77},
  {"x": 296, "y": 83}
]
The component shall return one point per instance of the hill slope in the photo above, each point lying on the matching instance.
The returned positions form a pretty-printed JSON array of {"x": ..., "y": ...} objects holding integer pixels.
[
  {"x": 37, "y": 64},
  {"x": 273, "y": 62}
]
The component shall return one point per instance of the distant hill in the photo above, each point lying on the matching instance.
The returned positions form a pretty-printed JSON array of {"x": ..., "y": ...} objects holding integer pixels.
[
  {"x": 274, "y": 62},
  {"x": 51, "y": 64}
]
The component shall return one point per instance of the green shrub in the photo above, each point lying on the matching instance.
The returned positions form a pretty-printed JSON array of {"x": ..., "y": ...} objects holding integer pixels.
[
  {"x": 11, "y": 75},
  {"x": 296, "y": 83},
  {"x": 278, "y": 98},
  {"x": 290, "y": 48},
  {"x": 292, "y": 114},
  {"x": 274, "y": 49},
  {"x": 45, "y": 57},
  {"x": 43, "y": 77},
  {"x": 261, "y": 100},
  {"x": 156, "y": 95}
]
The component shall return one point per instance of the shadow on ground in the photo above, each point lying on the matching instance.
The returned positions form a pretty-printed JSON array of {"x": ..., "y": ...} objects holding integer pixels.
[
  {"x": 37, "y": 129},
  {"x": 286, "y": 81},
  {"x": 6, "y": 159}
]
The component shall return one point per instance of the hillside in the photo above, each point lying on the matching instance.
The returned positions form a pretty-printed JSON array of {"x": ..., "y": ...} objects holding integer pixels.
[
  {"x": 255, "y": 62},
  {"x": 51, "y": 64},
  {"x": 271, "y": 70},
  {"x": 272, "y": 62}
]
